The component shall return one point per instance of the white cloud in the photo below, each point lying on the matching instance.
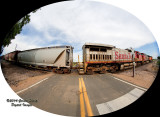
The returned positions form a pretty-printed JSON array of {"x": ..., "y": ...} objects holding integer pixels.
[
  {"x": 85, "y": 21},
  {"x": 80, "y": 21},
  {"x": 23, "y": 43}
]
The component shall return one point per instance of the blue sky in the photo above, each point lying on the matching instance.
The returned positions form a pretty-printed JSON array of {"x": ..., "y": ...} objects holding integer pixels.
[
  {"x": 76, "y": 22},
  {"x": 150, "y": 49}
]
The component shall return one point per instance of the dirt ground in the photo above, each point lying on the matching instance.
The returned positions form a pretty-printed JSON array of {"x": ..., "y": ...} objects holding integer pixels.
[
  {"x": 19, "y": 77},
  {"x": 144, "y": 75},
  {"x": 29, "y": 81}
]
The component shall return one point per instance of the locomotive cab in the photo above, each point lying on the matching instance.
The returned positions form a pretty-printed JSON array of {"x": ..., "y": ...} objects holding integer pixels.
[{"x": 96, "y": 56}]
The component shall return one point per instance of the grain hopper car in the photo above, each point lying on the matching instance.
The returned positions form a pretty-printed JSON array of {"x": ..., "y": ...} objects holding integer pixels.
[{"x": 58, "y": 58}]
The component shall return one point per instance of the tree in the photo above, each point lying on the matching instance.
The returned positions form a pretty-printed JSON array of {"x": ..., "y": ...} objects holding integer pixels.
[{"x": 16, "y": 29}]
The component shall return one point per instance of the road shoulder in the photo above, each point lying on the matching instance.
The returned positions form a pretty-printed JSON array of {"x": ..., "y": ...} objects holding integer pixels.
[
  {"x": 144, "y": 75},
  {"x": 29, "y": 81}
]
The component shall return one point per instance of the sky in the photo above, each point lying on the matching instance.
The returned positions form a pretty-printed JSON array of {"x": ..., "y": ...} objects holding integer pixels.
[
  {"x": 146, "y": 10},
  {"x": 77, "y": 22}
]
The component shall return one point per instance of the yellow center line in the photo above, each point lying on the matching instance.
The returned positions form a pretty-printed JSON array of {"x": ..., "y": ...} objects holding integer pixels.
[
  {"x": 88, "y": 106},
  {"x": 81, "y": 100}
]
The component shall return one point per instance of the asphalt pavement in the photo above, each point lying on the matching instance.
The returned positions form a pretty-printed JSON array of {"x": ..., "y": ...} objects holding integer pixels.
[{"x": 81, "y": 95}]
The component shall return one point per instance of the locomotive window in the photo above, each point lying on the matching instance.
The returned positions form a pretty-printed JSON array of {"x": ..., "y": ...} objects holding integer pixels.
[
  {"x": 94, "y": 49},
  {"x": 103, "y": 57},
  {"x": 93, "y": 56},
  {"x": 103, "y": 49},
  {"x": 90, "y": 56},
  {"x": 96, "y": 56},
  {"x": 110, "y": 57},
  {"x": 107, "y": 57}
]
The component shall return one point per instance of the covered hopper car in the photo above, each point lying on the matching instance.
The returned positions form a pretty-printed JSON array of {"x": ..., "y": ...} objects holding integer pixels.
[{"x": 58, "y": 58}]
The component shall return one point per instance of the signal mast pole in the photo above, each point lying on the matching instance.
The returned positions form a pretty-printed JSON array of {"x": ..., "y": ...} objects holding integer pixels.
[
  {"x": 133, "y": 56},
  {"x": 16, "y": 47},
  {"x": 78, "y": 62}
]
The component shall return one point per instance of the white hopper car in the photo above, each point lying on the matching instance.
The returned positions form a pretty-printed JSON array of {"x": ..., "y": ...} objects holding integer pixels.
[{"x": 58, "y": 58}]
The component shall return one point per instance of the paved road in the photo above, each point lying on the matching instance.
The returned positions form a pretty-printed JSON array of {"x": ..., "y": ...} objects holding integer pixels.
[{"x": 78, "y": 95}]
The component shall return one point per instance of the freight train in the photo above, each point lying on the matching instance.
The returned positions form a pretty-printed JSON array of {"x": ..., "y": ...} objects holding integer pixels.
[
  {"x": 57, "y": 58},
  {"x": 102, "y": 57},
  {"x": 96, "y": 58}
]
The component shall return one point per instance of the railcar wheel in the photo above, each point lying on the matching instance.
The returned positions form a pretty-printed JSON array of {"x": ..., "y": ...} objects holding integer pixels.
[
  {"x": 113, "y": 69},
  {"x": 66, "y": 70},
  {"x": 90, "y": 72},
  {"x": 69, "y": 71},
  {"x": 55, "y": 70},
  {"x": 60, "y": 71},
  {"x": 103, "y": 71}
]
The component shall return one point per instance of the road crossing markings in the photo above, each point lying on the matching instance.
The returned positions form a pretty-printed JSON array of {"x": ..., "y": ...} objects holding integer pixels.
[
  {"x": 120, "y": 102},
  {"x": 87, "y": 102}
]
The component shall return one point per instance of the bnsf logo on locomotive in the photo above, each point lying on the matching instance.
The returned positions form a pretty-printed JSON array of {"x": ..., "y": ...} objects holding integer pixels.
[{"x": 122, "y": 56}]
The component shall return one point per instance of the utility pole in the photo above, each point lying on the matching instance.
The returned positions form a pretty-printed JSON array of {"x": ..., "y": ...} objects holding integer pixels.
[
  {"x": 16, "y": 47},
  {"x": 133, "y": 69},
  {"x": 78, "y": 62},
  {"x": 133, "y": 56}
]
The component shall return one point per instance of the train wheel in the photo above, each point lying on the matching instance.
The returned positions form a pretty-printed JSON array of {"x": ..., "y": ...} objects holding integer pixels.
[
  {"x": 69, "y": 71},
  {"x": 49, "y": 67},
  {"x": 103, "y": 71},
  {"x": 60, "y": 71},
  {"x": 66, "y": 70},
  {"x": 55, "y": 70},
  {"x": 89, "y": 72},
  {"x": 113, "y": 69}
]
